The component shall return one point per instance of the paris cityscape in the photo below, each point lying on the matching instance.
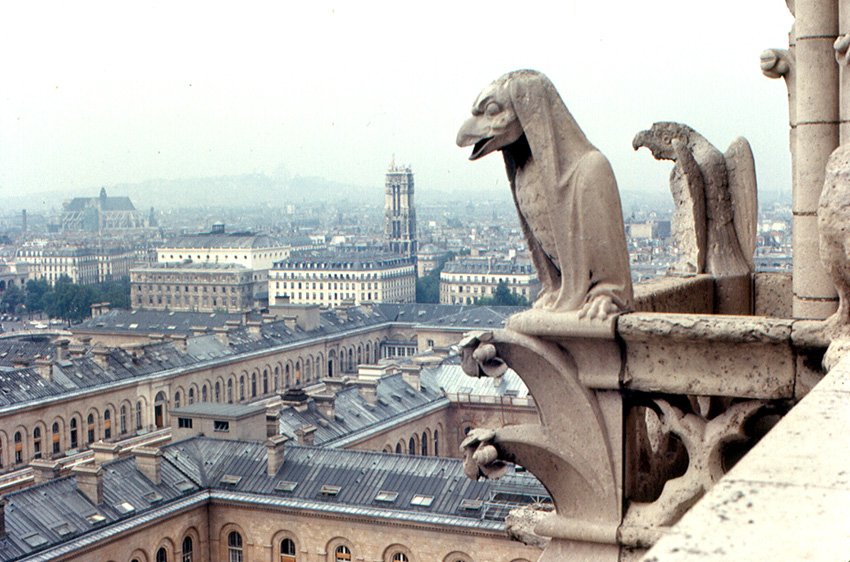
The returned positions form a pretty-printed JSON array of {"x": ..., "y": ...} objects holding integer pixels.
[{"x": 271, "y": 287}]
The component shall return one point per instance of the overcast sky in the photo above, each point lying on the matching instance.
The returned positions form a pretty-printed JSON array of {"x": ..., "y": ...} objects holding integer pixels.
[{"x": 99, "y": 94}]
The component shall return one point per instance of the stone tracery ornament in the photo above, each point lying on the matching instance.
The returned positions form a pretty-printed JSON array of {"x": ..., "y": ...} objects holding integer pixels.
[{"x": 703, "y": 439}]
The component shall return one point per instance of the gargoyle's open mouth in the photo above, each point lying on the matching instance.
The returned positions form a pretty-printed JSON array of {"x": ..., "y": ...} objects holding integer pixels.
[{"x": 477, "y": 150}]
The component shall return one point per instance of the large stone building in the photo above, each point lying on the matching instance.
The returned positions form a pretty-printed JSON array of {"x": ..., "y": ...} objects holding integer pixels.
[
  {"x": 399, "y": 212},
  {"x": 103, "y": 214},
  {"x": 201, "y": 287},
  {"x": 465, "y": 280},
  {"x": 83, "y": 264},
  {"x": 257, "y": 252},
  {"x": 211, "y": 499},
  {"x": 126, "y": 371},
  {"x": 333, "y": 278}
]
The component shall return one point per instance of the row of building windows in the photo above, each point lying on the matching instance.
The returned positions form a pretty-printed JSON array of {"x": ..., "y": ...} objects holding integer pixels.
[{"x": 286, "y": 550}]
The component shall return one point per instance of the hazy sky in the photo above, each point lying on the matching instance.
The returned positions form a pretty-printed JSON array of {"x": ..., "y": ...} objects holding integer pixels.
[{"x": 99, "y": 94}]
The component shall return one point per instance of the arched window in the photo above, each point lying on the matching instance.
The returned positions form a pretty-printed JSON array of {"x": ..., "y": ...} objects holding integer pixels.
[
  {"x": 139, "y": 415},
  {"x": 204, "y": 393},
  {"x": 265, "y": 381},
  {"x": 159, "y": 409},
  {"x": 187, "y": 549},
  {"x": 73, "y": 433},
  {"x": 90, "y": 429},
  {"x": 230, "y": 391},
  {"x": 411, "y": 446},
  {"x": 400, "y": 557},
  {"x": 19, "y": 448},
  {"x": 123, "y": 419},
  {"x": 191, "y": 396},
  {"x": 436, "y": 444},
  {"x": 398, "y": 448},
  {"x": 107, "y": 424},
  {"x": 342, "y": 554},
  {"x": 242, "y": 388},
  {"x": 234, "y": 546},
  {"x": 253, "y": 385},
  {"x": 276, "y": 378},
  {"x": 287, "y": 550},
  {"x": 177, "y": 398},
  {"x": 56, "y": 439},
  {"x": 218, "y": 392},
  {"x": 36, "y": 443},
  {"x": 161, "y": 555},
  {"x": 424, "y": 444}
]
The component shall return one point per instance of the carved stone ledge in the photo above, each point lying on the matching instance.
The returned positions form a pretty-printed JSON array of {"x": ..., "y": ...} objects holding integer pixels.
[{"x": 740, "y": 356}]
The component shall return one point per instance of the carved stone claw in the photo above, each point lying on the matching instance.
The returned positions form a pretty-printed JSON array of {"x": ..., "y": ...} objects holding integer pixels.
[
  {"x": 842, "y": 49},
  {"x": 480, "y": 456},
  {"x": 600, "y": 307},
  {"x": 478, "y": 356}
]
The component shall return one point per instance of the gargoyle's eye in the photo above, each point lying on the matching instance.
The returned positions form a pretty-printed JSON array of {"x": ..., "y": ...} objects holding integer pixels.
[{"x": 493, "y": 108}]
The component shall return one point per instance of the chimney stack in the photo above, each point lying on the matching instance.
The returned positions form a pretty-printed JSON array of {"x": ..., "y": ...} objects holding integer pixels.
[
  {"x": 101, "y": 356},
  {"x": 149, "y": 463},
  {"x": 62, "y": 349},
  {"x": 44, "y": 470},
  {"x": 198, "y": 330},
  {"x": 254, "y": 327},
  {"x": 221, "y": 333},
  {"x": 305, "y": 435},
  {"x": 45, "y": 368},
  {"x": 105, "y": 452},
  {"x": 334, "y": 386},
  {"x": 90, "y": 481},
  {"x": 275, "y": 447},
  {"x": 325, "y": 404},
  {"x": 179, "y": 341},
  {"x": 410, "y": 375},
  {"x": 368, "y": 389}
]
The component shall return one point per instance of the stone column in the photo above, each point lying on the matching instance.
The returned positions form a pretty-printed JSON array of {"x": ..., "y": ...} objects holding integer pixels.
[
  {"x": 843, "y": 57},
  {"x": 817, "y": 136}
]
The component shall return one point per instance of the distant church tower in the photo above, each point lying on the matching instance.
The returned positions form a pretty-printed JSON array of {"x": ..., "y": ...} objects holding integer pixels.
[{"x": 399, "y": 213}]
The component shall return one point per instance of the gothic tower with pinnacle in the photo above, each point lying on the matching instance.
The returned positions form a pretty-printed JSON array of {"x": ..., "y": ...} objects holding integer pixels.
[{"x": 399, "y": 213}]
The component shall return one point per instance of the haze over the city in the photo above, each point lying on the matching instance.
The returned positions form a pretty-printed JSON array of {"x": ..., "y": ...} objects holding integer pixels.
[{"x": 111, "y": 94}]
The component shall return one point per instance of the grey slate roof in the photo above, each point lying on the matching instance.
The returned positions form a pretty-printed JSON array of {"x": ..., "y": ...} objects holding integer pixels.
[
  {"x": 353, "y": 414},
  {"x": 217, "y": 409},
  {"x": 476, "y": 318},
  {"x": 26, "y": 348},
  {"x": 235, "y": 241},
  {"x": 47, "y": 515}
]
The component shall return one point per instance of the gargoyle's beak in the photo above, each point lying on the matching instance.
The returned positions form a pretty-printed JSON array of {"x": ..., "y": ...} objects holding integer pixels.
[
  {"x": 474, "y": 132},
  {"x": 640, "y": 139}
]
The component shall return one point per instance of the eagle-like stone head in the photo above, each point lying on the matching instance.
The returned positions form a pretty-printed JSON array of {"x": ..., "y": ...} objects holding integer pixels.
[
  {"x": 494, "y": 124},
  {"x": 659, "y": 139}
]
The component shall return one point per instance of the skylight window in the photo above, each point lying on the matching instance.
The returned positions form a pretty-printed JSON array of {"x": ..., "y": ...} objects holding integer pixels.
[
  {"x": 152, "y": 497},
  {"x": 125, "y": 508},
  {"x": 388, "y": 497},
  {"x": 230, "y": 480},
  {"x": 285, "y": 486},
  {"x": 471, "y": 505},
  {"x": 35, "y": 540},
  {"x": 95, "y": 518},
  {"x": 184, "y": 486},
  {"x": 63, "y": 530},
  {"x": 327, "y": 490},
  {"x": 422, "y": 500}
]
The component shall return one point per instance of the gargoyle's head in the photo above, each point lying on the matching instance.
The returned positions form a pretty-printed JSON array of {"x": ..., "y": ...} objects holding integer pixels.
[
  {"x": 659, "y": 139},
  {"x": 494, "y": 124}
]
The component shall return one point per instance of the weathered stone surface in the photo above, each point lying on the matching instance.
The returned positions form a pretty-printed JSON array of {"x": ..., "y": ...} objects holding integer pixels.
[
  {"x": 564, "y": 190},
  {"x": 520, "y": 524},
  {"x": 694, "y": 354},
  {"x": 772, "y": 295},
  {"x": 715, "y": 219},
  {"x": 693, "y": 295}
]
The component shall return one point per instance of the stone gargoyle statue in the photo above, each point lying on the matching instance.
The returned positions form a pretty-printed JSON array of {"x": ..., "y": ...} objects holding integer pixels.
[
  {"x": 833, "y": 218},
  {"x": 564, "y": 190},
  {"x": 715, "y": 218}
]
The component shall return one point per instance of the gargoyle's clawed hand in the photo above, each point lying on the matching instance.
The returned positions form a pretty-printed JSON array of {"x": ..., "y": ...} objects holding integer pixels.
[
  {"x": 599, "y": 307},
  {"x": 480, "y": 456}
]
